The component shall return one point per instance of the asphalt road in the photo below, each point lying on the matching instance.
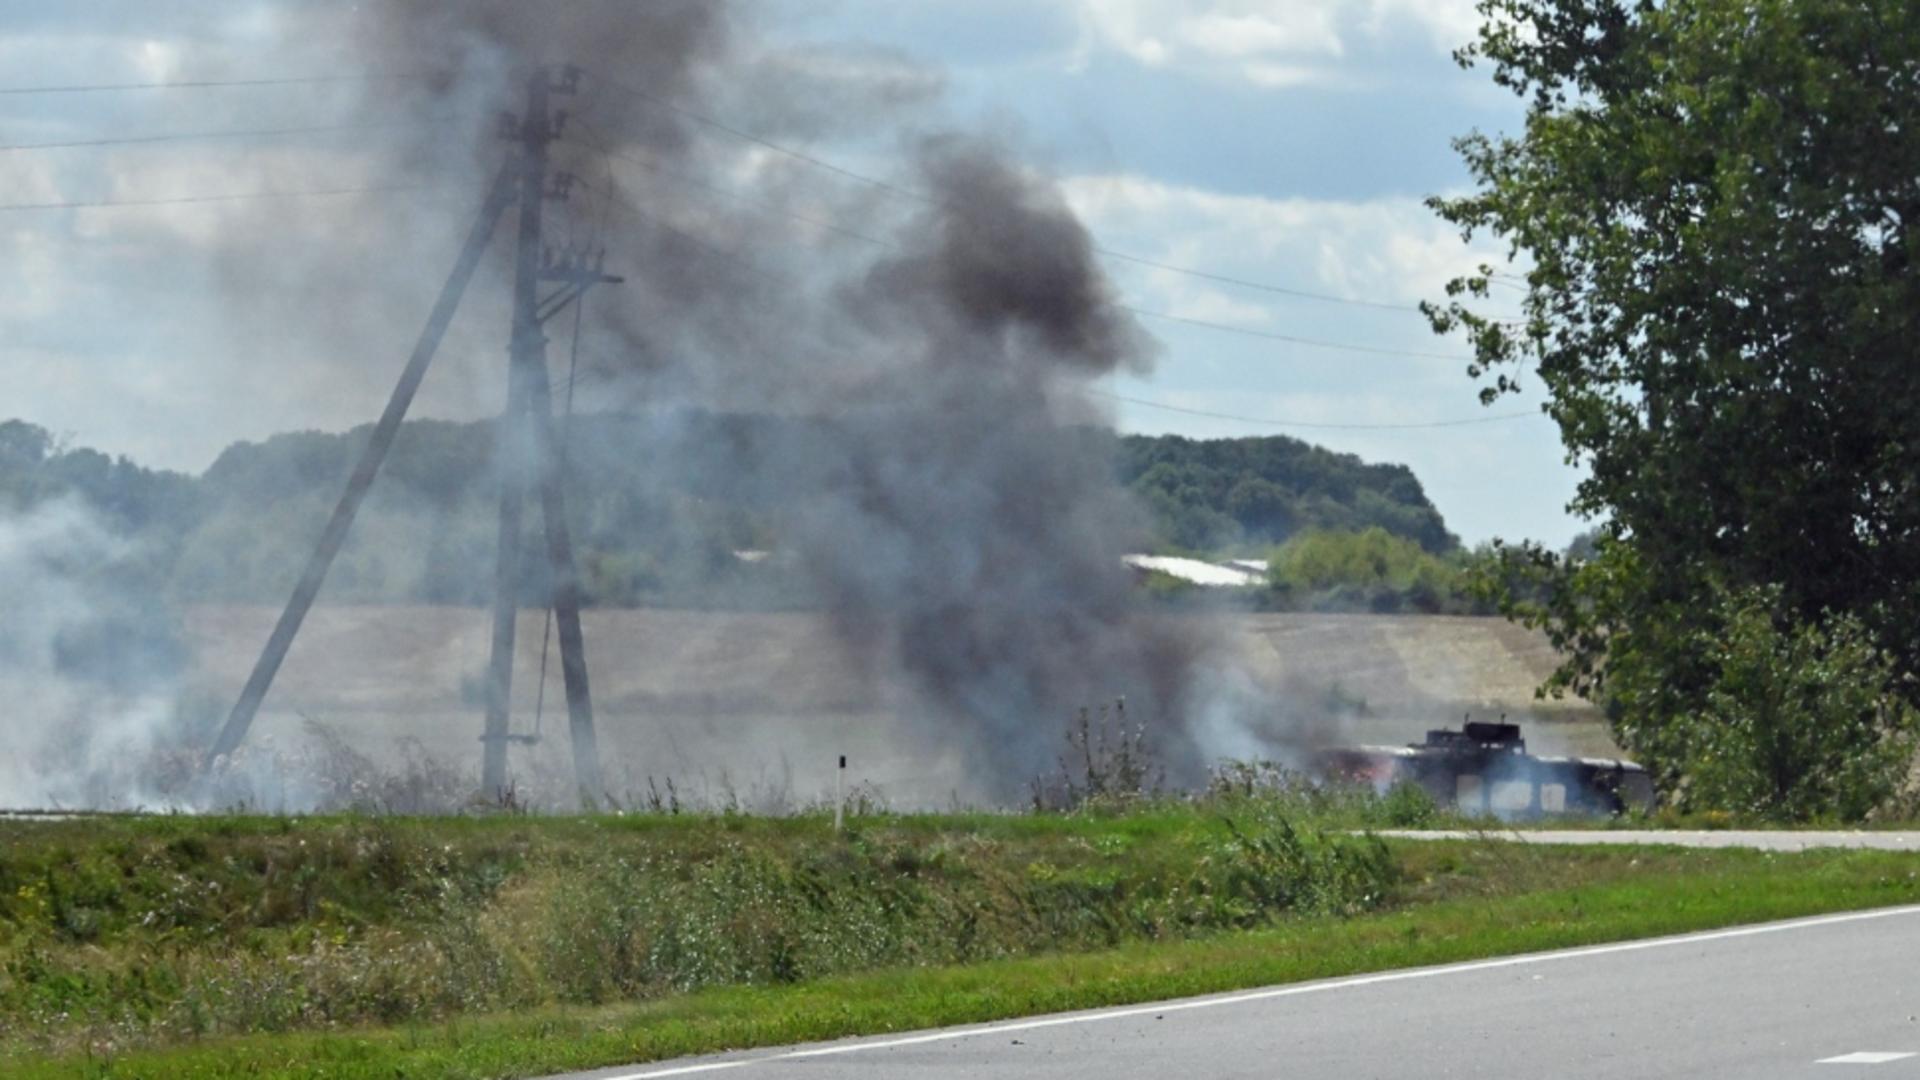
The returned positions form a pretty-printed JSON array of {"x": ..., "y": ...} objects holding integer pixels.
[
  {"x": 1777, "y": 1000},
  {"x": 1799, "y": 840}
]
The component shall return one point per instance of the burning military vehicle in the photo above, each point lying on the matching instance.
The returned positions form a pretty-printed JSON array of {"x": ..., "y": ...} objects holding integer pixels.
[{"x": 1484, "y": 768}]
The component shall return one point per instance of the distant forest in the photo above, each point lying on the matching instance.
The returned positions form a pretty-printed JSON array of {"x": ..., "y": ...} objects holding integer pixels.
[
  {"x": 645, "y": 532},
  {"x": 1213, "y": 495}
]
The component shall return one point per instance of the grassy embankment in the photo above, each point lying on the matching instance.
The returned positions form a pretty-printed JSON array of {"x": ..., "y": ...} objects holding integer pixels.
[{"x": 346, "y": 948}]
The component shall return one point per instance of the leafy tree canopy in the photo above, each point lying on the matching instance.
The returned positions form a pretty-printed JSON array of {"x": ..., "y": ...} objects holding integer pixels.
[
  {"x": 1213, "y": 494},
  {"x": 241, "y": 531},
  {"x": 1370, "y": 570},
  {"x": 1716, "y": 202}
]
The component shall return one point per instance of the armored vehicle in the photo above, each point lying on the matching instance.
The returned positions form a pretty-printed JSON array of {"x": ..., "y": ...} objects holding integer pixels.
[{"x": 1484, "y": 768}]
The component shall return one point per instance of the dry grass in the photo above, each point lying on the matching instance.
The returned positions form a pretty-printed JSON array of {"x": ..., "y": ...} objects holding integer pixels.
[
  {"x": 761, "y": 705},
  {"x": 137, "y": 932}
]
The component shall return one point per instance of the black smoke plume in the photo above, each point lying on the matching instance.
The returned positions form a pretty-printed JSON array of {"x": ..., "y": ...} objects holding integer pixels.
[{"x": 936, "y": 329}]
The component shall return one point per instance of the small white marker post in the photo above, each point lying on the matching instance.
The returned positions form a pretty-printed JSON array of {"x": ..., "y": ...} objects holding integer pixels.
[{"x": 839, "y": 792}]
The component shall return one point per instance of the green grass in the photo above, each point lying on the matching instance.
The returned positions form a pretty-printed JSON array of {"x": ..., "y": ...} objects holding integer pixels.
[
  {"x": 139, "y": 933},
  {"x": 1447, "y": 901}
]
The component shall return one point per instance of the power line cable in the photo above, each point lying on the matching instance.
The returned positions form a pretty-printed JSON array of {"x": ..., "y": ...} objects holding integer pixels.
[
  {"x": 1318, "y": 343},
  {"x": 184, "y": 136},
  {"x": 210, "y": 84},
  {"x": 594, "y": 375},
  {"x": 605, "y": 147},
  {"x": 614, "y": 198},
  {"x": 1271, "y": 422},
  {"x": 239, "y": 196},
  {"x": 619, "y": 201},
  {"x": 1223, "y": 327},
  {"x": 799, "y": 155},
  {"x": 1246, "y": 283},
  {"x": 923, "y": 197},
  {"x": 660, "y": 102}
]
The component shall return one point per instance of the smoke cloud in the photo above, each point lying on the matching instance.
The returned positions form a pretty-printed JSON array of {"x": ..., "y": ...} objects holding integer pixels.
[
  {"x": 87, "y": 670},
  {"x": 959, "y": 528},
  {"x": 939, "y": 331}
]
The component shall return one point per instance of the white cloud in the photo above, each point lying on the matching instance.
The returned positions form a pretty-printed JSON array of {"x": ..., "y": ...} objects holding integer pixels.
[
  {"x": 1271, "y": 43},
  {"x": 1273, "y": 76},
  {"x": 1207, "y": 304},
  {"x": 1488, "y": 479},
  {"x": 1290, "y": 30},
  {"x": 157, "y": 61},
  {"x": 1449, "y": 23},
  {"x": 1389, "y": 250}
]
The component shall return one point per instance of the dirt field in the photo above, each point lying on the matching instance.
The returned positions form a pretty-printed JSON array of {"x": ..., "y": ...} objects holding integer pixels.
[{"x": 761, "y": 704}]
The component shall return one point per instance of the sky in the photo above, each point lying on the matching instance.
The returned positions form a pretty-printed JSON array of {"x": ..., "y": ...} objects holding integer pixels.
[{"x": 1284, "y": 142}]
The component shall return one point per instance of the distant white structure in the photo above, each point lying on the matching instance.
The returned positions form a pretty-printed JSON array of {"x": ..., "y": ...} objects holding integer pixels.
[
  {"x": 1240, "y": 573},
  {"x": 1258, "y": 566}
]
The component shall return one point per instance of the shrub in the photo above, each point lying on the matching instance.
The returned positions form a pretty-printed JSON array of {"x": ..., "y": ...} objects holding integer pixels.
[
  {"x": 1108, "y": 762},
  {"x": 1799, "y": 720},
  {"x": 160, "y": 931},
  {"x": 1407, "y": 805},
  {"x": 1371, "y": 570}
]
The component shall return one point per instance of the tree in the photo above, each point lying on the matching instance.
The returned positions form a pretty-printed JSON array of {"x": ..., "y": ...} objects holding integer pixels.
[
  {"x": 1797, "y": 721},
  {"x": 23, "y": 445},
  {"x": 1719, "y": 205},
  {"x": 23, "y": 450},
  {"x": 1369, "y": 570},
  {"x": 1206, "y": 495}
]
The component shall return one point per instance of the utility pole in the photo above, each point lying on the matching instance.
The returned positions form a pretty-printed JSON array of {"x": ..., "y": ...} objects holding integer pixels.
[
  {"x": 577, "y": 277},
  {"x": 335, "y": 534},
  {"x": 526, "y": 448},
  {"x": 528, "y": 456}
]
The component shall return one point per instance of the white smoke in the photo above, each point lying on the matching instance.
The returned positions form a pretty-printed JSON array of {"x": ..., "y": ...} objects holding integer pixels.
[{"x": 87, "y": 670}]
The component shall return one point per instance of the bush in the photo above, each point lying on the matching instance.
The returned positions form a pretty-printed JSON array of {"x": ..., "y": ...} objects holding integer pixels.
[
  {"x": 1407, "y": 805},
  {"x": 1371, "y": 570},
  {"x": 1277, "y": 867},
  {"x": 1109, "y": 763},
  {"x": 137, "y": 932},
  {"x": 1799, "y": 720}
]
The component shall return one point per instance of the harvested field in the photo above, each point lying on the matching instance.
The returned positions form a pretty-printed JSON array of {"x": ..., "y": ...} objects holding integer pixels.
[{"x": 756, "y": 706}]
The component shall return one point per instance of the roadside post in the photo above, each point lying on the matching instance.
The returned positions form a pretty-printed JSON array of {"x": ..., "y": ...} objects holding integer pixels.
[{"x": 839, "y": 793}]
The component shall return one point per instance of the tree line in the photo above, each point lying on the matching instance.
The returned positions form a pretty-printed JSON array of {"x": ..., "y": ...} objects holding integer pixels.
[
  {"x": 1714, "y": 208},
  {"x": 662, "y": 512}
]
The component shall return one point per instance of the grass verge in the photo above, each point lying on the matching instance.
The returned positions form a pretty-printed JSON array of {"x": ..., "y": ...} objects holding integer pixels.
[{"x": 1460, "y": 900}]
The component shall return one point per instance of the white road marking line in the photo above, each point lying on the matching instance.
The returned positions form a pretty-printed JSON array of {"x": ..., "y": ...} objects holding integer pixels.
[
  {"x": 692, "y": 1069},
  {"x": 1866, "y": 1057},
  {"x": 1294, "y": 990},
  {"x": 689, "y": 1070}
]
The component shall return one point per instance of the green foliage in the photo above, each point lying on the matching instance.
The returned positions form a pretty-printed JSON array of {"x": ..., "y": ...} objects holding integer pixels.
[
  {"x": 1408, "y": 806},
  {"x": 1797, "y": 721},
  {"x": 1735, "y": 701},
  {"x": 1468, "y": 901},
  {"x": 1275, "y": 865},
  {"x": 1371, "y": 570},
  {"x": 36, "y": 468},
  {"x": 1166, "y": 588},
  {"x": 1718, "y": 203},
  {"x": 1108, "y": 763},
  {"x": 1271, "y": 787},
  {"x": 156, "y": 931},
  {"x": 643, "y": 535},
  {"x": 1208, "y": 495}
]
